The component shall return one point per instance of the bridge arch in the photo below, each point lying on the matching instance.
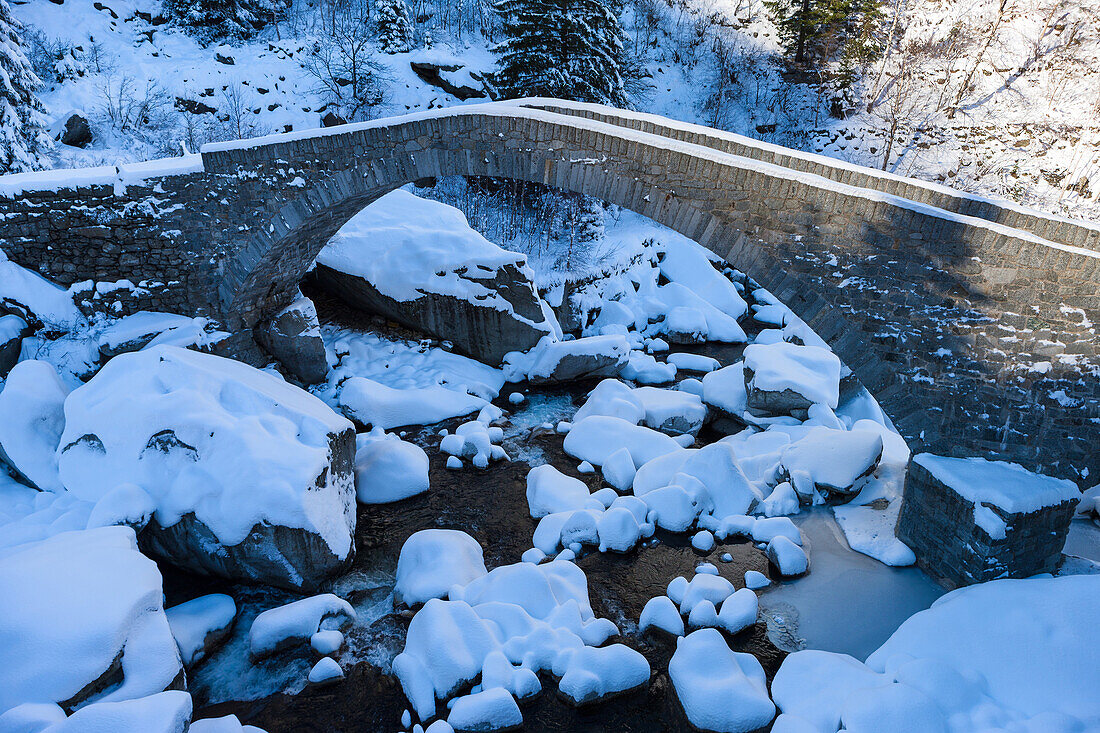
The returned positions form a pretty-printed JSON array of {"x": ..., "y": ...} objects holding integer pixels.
[{"x": 941, "y": 315}]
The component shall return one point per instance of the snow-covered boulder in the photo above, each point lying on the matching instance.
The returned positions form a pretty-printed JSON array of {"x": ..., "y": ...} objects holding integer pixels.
[
  {"x": 164, "y": 712},
  {"x": 476, "y": 440},
  {"x": 388, "y": 468},
  {"x": 251, "y": 477},
  {"x": 831, "y": 462},
  {"x": 724, "y": 389},
  {"x": 721, "y": 690},
  {"x": 327, "y": 671},
  {"x": 224, "y": 724},
  {"x": 590, "y": 674},
  {"x": 296, "y": 623},
  {"x": 612, "y": 398},
  {"x": 554, "y": 361},
  {"x": 597, "y": 438},
  {"x": 380, "y": 406},
  {"x": 32, "y": 419},
  {"x": 34, "y": 299},
  {"x": 550, "y": 491},
  {"x": 672, "y": 411},
  {"x": 661, "y": 613},
  {"x": 82, "y": 619},
  {"x": 293, "y": 336},
  {"x": 201, "y": 625},
  {"x": 787, "y": 557},
  {"x": 418, "y": 262},
  {"x": 783, "y": 378},
  {"x": 149, "y": 328},
  {"x": 489, "y": 710},
  {"x": 434, "y": 560}
]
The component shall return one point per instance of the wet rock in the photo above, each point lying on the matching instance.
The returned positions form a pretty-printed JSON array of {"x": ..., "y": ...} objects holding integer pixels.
[
  {"x": 293, "y": 336},
  {"x": 331, "y": 119}
]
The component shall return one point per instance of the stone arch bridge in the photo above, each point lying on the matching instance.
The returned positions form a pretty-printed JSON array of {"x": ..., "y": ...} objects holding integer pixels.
[{"x": 971, "y": 321}]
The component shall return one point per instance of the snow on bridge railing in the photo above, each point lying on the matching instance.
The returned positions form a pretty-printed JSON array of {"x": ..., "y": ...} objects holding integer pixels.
[
  {"x": 875, "y": 179},
  {"x": 117, "y": 176}
]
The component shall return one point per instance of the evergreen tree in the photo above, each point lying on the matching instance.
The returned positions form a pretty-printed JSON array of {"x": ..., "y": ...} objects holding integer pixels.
[
  {"x": 395, "y": 31},
  {"x": 570, "y": 49},
  {"x": 817, "y": 32},
  {"x": 23, "y": 137},
  {"x": 224, "y": 20}
]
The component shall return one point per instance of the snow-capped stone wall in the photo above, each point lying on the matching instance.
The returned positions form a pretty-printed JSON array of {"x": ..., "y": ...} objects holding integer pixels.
[{"x": 975, "y": 336}]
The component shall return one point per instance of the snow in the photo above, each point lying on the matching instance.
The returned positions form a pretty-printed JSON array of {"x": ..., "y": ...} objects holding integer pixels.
[
  {"x": 671, "y": 508},
  {"x": 434, "y": 560},
  {"x": 33, "y": 295},
  {"x": 542, "y": 362},
  {"x": 326, "y": 642},
  {"x": 28, "y": 515},
  {"x": 683, "y": 261},
  {"x": 715, "y": 469},
  {"x": 193, "y": 621},
  {"x": 405, "y": 245},
  {"x": 31, "y": 422},
  {"x": 950, "y": 667},
  {"x": 1007, "y": 486},
  {"x": 516, "y": 398},
  {"x": 249, "y": 446},
  {"x": 720, "y": 690},
  {"x": 296, "y": 622},
  {"x": 597, "y": 438},
  {"x": 325, "y": 670},
  {"x": 704, "y": 587},
  {"x": 703, "y": 541},
  {"x": 227, "y": 724},
  {"x": 550, "y": 491},
  {"x": 404, "y": 364},
  {"x": 661, "y": 613},
  {"x": 618, "y": 530},
  {"x": 492, "y": 709},
  {"x": 725, "y": 389},
  {"x": 738, "y": 611},
  {"x": 781, "y": 502},
  {"x": 642, "y": 368},
  {"x": 703, "y": 615},
  {"x": 372, "y": 403},
  {"x": 388, "y": 468},
  {"x": 165, "y": 712},
  {"x": 99, "y": 577},
  {"x": 754, "y": 580},
  {"x": 590, "y": 674},
  {"x": 618, "y": 469},
  {"x": 476, "y": 440},
  {"x": 831, "y": 460},
  {"x": 810, "y": 371},
  {"x": 788, "y": 558},
  {"x": 685, "y": 362},
  {"x": 767, "y": 529},
  {"x": 612, "y": 398},
  {"x": 672, "y": 411}
]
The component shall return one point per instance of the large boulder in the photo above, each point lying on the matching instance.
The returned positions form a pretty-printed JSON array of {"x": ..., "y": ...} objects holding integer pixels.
[
  {"x": 12, "y": 329},
  {"x": 787, "y": 379},
  {"x": 555, "y": 361},
  {"x": 419, "y": 263},
  {"x": 31, "y": 421},
  {"x": 252, "y": 478},
  {"x": 293, "y": 336},
  {"x": 81, "y": 620}
]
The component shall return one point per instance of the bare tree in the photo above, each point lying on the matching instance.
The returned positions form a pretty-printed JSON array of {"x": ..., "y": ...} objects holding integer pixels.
[{"x": 340, "y": 62}]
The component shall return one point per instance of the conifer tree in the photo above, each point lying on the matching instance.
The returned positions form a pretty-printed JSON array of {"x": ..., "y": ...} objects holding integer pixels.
[
  {"x": 569, "y": 49},
  {"x": 816, "y": 32},
  {"x": 23, "y": 137},
  {"x": 395, "y": 31},
  {"x": 223, "y": 20}
]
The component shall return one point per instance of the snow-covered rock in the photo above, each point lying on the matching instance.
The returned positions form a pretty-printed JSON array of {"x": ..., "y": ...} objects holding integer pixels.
[
  {"x": 476, "y": 440},
  {"x": 738, "y": 611},
  {"x": 782, "y": 378},
  {"x": 685, "y": 362},
  {"x": 388, "y": 468},
  {"x": 32, "y": 419},
  {"x": 642, "y": 368},
  {"x": 725, "y": 390},
  {"x": 327, "y": 641},
  {"x": 149, "y": 328},
  {"x": 782, "y": 502},
  {"x": 590, "y": 674},
  {"x": 553, "y": 360},
  {"x": 293, "y": 336},
  {"x": 418, "y": 262},
  {"x": 596, "y": 438},
  {"x": 618, "y": 529},
  {"x": 787, "y": 557},
  {"x": 618, "y": 469},
  {"x": 164, "y": 712},
  {"x": 325, "y": 672},
  {"x": 251, "y": 476},
  {"x": 380, "y": 406},
  {"x": 831, "y": 462},
  {"x": 434, "y": 560},
  {"x": 721, "y": 690},
  {"x": 82, "y": 619},
  {"x": 671, "y": 508},
  {"x": 295, "y": 623},
  {"x": 754, "y": 580},
  {"x": 766, "y": 529},
  {"x": 34, "y": 299},
  {"x": 488, "y": 710},
  {"x": 672, "y": 411},
  {"x": 715, "y": 468},
  {"x": 705, "y": 587},
  {"x": 550, "y": 491},
  {"x": 226, "y": 724},
  {"x": 200, "y": 625},
  {"x": 661, "y": 613},
  {"x": 12, "y": 328},
  {"x": 613, "y": 398}
]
